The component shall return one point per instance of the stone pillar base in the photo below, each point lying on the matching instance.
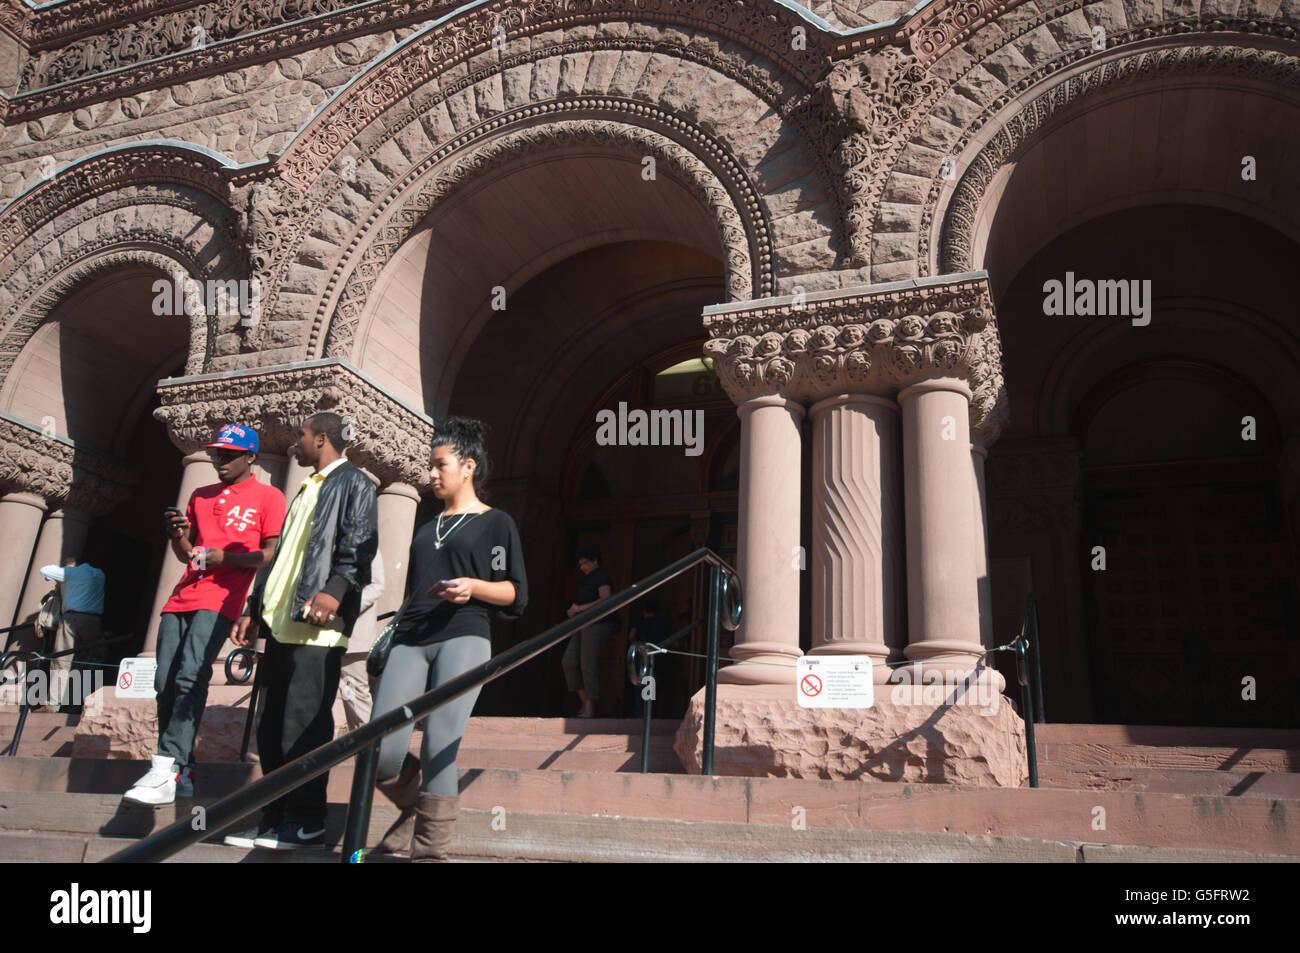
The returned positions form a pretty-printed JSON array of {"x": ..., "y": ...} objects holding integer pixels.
[{"x": 907, "y": 736}]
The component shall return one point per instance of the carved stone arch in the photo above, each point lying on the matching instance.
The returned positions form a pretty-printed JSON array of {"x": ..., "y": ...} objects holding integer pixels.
[
  {"x": 741, "y": 235},
  {"x": 904, "y": 113},
  {"x": 962, "y": 213},
  {"x": 412, "y": 110},
  {"x": 166, "y": 228},
  {"x": 763, "y": 28},
  {"x": 168, "y": 163}
]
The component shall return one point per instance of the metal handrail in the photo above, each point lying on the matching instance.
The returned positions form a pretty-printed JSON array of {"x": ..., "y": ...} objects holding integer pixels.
[
  {"x": 28, "y": 655},
  {"x": 365, "y": 740}
]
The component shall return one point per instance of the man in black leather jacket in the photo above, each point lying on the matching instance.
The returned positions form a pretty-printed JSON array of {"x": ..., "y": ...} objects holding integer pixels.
[{"x": 308, "y": 599}]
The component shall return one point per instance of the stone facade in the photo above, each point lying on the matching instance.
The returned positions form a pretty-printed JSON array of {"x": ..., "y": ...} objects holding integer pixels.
[{"x": 843, "y": 163}]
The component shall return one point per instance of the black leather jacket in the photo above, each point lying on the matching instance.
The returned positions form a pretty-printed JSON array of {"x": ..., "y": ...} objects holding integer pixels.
[{"x": 343, "y": 540}]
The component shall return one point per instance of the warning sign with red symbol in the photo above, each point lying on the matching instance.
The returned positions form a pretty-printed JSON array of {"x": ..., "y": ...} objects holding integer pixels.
[
  {"x": 135, "y": 678},
  {"x": 835, "y": 681}
]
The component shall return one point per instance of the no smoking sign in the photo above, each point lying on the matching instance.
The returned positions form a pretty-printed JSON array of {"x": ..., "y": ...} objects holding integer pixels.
[
  {"x": 135, "y": 677},
  {"x": 835, "y": 681}
]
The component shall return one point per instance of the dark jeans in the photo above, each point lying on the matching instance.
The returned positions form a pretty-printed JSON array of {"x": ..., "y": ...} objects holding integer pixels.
[
  {"x": 188, "y": 644},
  {"x": 299, "y": 684}
]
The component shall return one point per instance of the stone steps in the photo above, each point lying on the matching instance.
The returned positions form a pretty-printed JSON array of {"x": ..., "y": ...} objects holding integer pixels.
[
  {"x": 75, "y": 797},
  {"x": 559, "y": 838}
]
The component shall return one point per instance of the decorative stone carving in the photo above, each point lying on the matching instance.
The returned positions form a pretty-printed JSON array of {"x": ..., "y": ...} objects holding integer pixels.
[
  {"x": 862, "y": 111},
  {"x": 106, "y": 173},
  {"x": 244, "y": 31},
  {"x": 390, "y": 440},
  {"x": 963, "y": 209},
  {"x": 13, "y": 16},
  {"x": 717, "y": 198},
  {"x": 56, "y": 469},
  {"x": 864, "y": 341},
  {"x": 938, "y": 27}
]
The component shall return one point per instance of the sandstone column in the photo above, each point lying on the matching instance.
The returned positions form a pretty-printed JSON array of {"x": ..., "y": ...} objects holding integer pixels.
[
  {"x": 198, "y": 472},
  {"x": 979, "y": 454},
  {"x": 294, "y": 474},
  {"x": 62, "y": 534},
  {"x": 768, "y": 543},
  {"x": 397, "y": 504},
  {"x": 857, "y": 545},
  {"x": 20, "y": 523},
  {"x": 943, "y": 589},
  {"x": 270, "y": 468}
]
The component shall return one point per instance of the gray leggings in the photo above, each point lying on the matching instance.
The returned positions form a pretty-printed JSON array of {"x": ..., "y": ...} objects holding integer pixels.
[{"x": 411, "y": 671}]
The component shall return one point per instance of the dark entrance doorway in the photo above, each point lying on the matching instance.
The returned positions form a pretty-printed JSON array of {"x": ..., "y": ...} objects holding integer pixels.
[{"x": 1193, "y": 619}]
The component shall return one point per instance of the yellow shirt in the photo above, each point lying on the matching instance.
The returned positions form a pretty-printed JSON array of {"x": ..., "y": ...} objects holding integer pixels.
[{"x": 278, "y": 606}]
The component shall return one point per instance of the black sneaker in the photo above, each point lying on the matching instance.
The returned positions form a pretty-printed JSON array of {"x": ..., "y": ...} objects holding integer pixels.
[
  {"x": 248, "y": 838},
  {"x": 293, "y": 835}
]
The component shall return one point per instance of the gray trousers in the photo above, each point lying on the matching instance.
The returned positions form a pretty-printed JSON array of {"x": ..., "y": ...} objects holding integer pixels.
[
  {"x": 411, "y": 671},
  {"x": 586, "y": 644},
  {"x": 188, "y": 644}
]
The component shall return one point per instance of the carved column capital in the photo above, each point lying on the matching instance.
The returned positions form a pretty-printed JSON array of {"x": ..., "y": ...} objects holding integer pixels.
[
  {"x": 56, "y": 469},
  {"x": 874, "y": 339},
  {"x": 389, "y": 438}
]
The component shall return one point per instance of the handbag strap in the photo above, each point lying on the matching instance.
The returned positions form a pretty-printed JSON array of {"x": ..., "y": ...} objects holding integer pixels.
[{"x": 397, "y": 617}]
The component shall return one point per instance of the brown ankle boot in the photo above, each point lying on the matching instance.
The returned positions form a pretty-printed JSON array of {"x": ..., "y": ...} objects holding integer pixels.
[
  {"x": 435, "y": 816},
  {"x": 402, "y": 791}
]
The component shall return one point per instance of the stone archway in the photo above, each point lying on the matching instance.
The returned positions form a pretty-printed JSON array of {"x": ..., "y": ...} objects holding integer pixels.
[{"x": 715, "y": 104}]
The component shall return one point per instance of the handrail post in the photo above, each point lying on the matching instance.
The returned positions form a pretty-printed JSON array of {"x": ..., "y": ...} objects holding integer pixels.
[
  {"x": 23, "y": 691},
  {"x": 1037, "y": 648},
  {"x": 1027, "y": 702},
  {"x": 359, "y": 804},
  {"x": 711, "y": 668},
  {"x": 645, "y": 720}
]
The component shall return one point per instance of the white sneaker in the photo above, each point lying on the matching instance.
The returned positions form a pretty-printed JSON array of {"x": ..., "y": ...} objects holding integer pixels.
[
  {"x": 158, "y": 786},
  {"x": 185, "y": 783}
]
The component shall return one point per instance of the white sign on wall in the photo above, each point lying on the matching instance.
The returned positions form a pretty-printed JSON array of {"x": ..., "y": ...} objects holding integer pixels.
[
  {"x": 835, "y": 681},
  {"x": 135, "y": 677}
]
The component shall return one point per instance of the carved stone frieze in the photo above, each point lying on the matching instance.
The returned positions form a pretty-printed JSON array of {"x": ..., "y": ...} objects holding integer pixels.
[
  {"x": 34, "y": 461},
  {"x": 238, "y": 32},
  {"x": 389, "y": 439},
  {"x": 13, "y": 16},
  {"x": 873, "y": 340},
  {"x": 939, "y": 26}
]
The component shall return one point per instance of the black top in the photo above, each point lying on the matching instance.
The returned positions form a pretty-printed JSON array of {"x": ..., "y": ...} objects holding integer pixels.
[
  {"x": 482, "y": 546},
  {"x": 589, "y": 590}
]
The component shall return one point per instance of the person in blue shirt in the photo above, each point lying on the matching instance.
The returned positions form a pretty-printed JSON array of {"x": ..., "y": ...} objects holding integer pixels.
[{"x": 81, "y": 587}]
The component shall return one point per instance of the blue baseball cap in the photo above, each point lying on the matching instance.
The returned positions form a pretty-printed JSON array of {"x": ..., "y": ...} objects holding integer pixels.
[{"x": 235, "y": 437}]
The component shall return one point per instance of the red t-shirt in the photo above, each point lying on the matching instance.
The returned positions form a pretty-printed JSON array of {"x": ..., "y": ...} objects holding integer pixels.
[{"x": 235, "y": 517}]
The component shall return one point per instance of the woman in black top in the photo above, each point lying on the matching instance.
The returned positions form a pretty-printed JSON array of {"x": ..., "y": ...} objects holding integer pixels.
[
  {"x": 583, "y": 676},
  {"x": 464, "y": 565}
]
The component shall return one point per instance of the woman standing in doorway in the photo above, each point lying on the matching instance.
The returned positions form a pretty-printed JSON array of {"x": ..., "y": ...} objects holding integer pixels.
[
  {"x": 464, "y": 565},
  {"x": 584, "y": 677}
]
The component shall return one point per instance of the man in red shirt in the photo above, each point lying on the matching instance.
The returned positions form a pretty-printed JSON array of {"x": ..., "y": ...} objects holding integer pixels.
[{"x": 228, "y": 532}]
